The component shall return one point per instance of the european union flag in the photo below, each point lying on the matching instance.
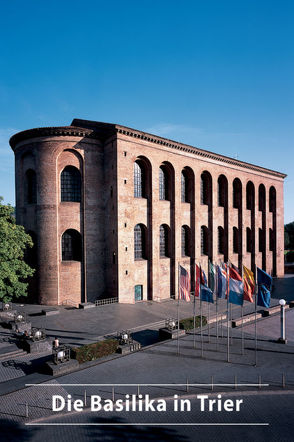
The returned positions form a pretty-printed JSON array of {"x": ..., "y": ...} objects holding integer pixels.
[
  {"x": 264, "y": 281},
  {"x": 263, "y": 296},
  {"x": 264, "y": 278}
]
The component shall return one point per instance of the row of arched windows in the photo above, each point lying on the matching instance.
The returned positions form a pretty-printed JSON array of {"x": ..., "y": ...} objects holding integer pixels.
[
  {"x": 70, "y": 185},
  {"x": 140, "y": 241},
  {"x": 140, "y": 174}
]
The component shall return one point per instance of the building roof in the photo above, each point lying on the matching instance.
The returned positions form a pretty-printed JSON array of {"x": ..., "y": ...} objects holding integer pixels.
[{"x": 102, "y": 131}]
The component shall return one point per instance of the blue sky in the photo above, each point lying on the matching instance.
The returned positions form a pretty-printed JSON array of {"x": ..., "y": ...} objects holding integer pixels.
[{"x": 214, "y": 74}]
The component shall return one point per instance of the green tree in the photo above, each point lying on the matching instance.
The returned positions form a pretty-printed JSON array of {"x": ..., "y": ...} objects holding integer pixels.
[
  {"x": 13, "y": 243},
  {"x": 289, "y": 236}
]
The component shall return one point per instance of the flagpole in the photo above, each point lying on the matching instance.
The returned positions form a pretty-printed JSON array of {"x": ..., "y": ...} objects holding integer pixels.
[
  {"x": 194, "y": 320},
  {"x": 228, "y": 333},
  {"x": 201, "y": 328},
  {"x": 216, "y": 312},
  {"x": 256, "y": 292},
  {"x": 178, "y": 343},
  {"x": 242, "y": 331}
]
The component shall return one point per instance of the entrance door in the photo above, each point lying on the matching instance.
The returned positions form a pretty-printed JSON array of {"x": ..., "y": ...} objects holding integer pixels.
[{"x": 138, "y": 293}]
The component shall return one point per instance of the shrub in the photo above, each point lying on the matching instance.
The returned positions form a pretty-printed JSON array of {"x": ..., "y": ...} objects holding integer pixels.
[
  {"x": 290, "y": 256},
  {"x": 188, "y": 323},
  {"x": 94, "y": 351}
]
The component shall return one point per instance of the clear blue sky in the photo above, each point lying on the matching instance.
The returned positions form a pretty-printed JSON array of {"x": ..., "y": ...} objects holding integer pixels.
[{"x": 215, "y": 74}]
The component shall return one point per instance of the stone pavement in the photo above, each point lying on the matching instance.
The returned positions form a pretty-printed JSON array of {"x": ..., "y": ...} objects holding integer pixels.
[{"x": 78, "y": 327}]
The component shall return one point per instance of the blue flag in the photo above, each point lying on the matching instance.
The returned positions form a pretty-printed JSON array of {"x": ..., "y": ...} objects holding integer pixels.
[
  {"x": 206, "y": 294},
  {"x": 221, "y": 282},
  {"x": 264, "y": 281},
  {"x": 263, "y": 296},
  {"x": 264, "y": 278}
]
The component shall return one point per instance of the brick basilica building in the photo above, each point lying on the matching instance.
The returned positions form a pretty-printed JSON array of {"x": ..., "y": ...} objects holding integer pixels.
[{"x": 112, "y": 212}]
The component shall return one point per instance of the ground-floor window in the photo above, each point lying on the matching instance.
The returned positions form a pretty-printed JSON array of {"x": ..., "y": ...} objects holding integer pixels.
[{"x": 138, "y": 293}]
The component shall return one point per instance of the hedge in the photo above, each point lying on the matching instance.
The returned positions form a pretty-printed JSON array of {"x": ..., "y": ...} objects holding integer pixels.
[
  {"x": 188, "y": 323},
  {"x": 90, "y": 352}
]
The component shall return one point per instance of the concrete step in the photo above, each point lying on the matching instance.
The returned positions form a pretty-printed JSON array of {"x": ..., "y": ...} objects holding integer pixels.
[{"x": 11, "y": 351}]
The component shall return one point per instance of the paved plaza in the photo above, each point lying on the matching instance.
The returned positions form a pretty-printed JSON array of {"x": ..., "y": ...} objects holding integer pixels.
[{"x": 175, "y": 368}]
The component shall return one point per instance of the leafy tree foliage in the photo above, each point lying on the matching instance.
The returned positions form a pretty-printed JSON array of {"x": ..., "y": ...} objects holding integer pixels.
[
  {"x": 289, "y": 236},
  {"x": 13, "y": 243}
]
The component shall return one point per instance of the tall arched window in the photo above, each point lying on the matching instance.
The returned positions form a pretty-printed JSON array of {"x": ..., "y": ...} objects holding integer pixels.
[
  {"x": 139, "y": 180},
  {"x": 185, "y": 243},
  {"x": 222, "y": 190},
  {"x": 30, "y": 187},
  {"x": 204, "y": 240},
  {"x": 237, "y": 194},
  {"x": 248, "y": 240},
  {"x": 164, "y": 241},
  {"x": 163, "y": 183},
  {"x": 205, "y": 188},
  {"x": 184, "y": 190},
  {"x": 261, "y": 237},
  {"x": 250, "y": 200},
  {"x": 221, "y": 240},
  {"x": 235, "y": 240},
  {"x": 70, "y": 184},
  {"x": 261, "y": 197},
  {"x": 139, "y": 242},
  {"x": 71, "y": 245},
  {"x": 272, "y": 199}
]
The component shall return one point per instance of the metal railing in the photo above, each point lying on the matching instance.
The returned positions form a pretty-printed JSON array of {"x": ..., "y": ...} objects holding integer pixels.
[{"x": 105, "y": 301}]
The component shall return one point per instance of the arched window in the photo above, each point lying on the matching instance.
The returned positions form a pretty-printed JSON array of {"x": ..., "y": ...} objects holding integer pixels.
[
  {"x": 184, "y": 190},
  {"x": 222, "y": 190},
  {"x": 261, "y": 198},
  {"x": 163, "y": 183},
  {"x": 235, "y": 240},
  {"x": 272, "y": 199},
  {"x": 271, "y": 240},
  {"x": 139, "y": 242},
  {"x": 250, "y": 196},
  {"x": 205, "y": 188},
  {"x": 237, "y": 194},
  {"x": 164, "y": 241},
  {"x": 204, "y": 240},
  {"x": 30, "y": 187},
  {"x": 70, "y": 184},
  {"x": 71, "y": 246},
  {"x": 221, "y": 240},
  {"x": 185, "y": 243},
  {"x": 139, "y": 180},
  {"x": 261, "y": 240},
  {"x": 248, "y": 240}
]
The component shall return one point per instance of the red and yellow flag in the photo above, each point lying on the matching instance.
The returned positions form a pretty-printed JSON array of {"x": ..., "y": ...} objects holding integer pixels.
[{"x": 249, "y": 284}]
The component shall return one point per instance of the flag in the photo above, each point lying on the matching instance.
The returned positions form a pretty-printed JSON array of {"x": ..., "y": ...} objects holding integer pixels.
[
  {"x": 263, "y": 296},
  {"x": 264, "y": 281},
  {"x": 236, "y": 287},
  {"x": 221, "y": 282},
  {"x": 234, "y": 267},
  {"x": 197, "y": 280},
  {"x": 184, "y": 284},
  {"x": 205, "y": 292},
  {"x": 212, "y": 277},
  {"x": 249, "y": 284},
  {"x": 264, "y": 278}
]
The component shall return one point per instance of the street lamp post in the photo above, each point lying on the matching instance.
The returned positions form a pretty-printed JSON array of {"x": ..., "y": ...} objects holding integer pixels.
[{"x": 282, "y": 339}]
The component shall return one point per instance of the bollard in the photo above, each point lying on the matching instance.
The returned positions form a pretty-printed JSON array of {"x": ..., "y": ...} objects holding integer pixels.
[
  {"x": 187, "y": 385},
  {"x": 85, "y": 398},
  {"x": 211, "y": 383},
  {"x": 259, "y": 382},
  {"x": 283, "y": 380},
  {"x": 138, "y": 390},
  {"x": 112, "y": 394},
  {"x": 235, "y": 382}
]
